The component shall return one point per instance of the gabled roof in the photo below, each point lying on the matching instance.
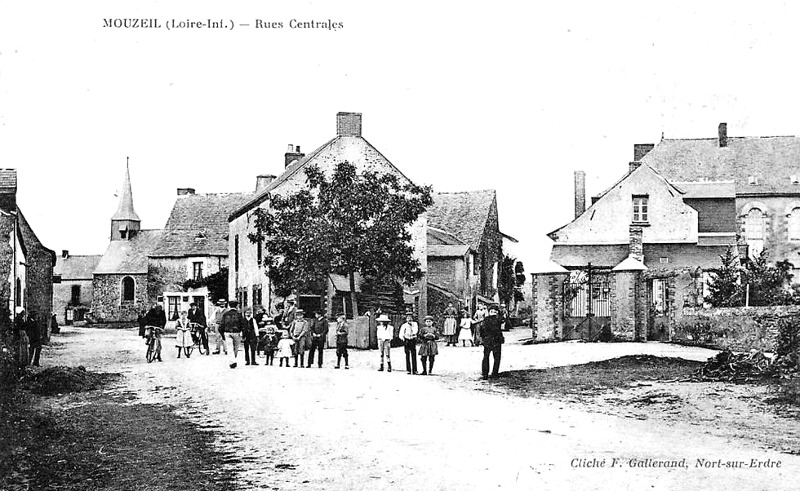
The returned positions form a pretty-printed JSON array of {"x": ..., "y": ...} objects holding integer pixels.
[
  {"x": 354, "y": 147},
  {"x": 76, "y": 267},
  {"x": 29, "y": 239},
  {"x": 464, "y": 214},
  {"x": 125, "y": 210},
  {"x": 129, "y": 256},
  {"x": 771, "y": 159},
  {"x": 198, "y": 225}
]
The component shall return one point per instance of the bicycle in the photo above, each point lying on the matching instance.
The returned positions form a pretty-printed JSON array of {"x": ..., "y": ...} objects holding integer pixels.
[
  {"x": 197, "y": 338},
  {"x": 153, "y": 340}
]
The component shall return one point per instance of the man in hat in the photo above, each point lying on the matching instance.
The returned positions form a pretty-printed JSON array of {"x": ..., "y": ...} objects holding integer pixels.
[
  {"x": 232, "y": 325},
  {"x": 385, "y": 336},
  {"x": 290, "y": 312},
  {"x": 299, "y": 332},
  {"x": 215, "y": 324},
  {"x": 250, "y": 337},
  {"x": 318, "y": 332},
  {"x": 492, "y": 339}
]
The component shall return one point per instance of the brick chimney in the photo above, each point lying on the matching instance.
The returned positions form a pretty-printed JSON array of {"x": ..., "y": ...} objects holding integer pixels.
[
  {"x": 632, "y": 166},
  {"x": 185, "y": 191},
  {"x": 723, "y": 134},
  {"x": 580, "y": 192},
  {"x": 263, "y": 181},
  {"x": 635, "y": 246},
  {"x": 641, "y": 149},
  {"x": 64, "y": 253},
  {"x": 292, "y": 154},
  {"x": 348, "y": 124}
]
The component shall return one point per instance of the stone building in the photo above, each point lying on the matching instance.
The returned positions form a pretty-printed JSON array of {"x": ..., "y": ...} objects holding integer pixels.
[
  {"x": 26, "y": 265},
  {"x": 763, "y": 173},
  {"x": 464, "y": 249},
  {"x": 73, "y": 286},
  {"x": 247, "y": 277},
  {"x": 192, "y": 246},
  {"x": 628, "y": 265}
]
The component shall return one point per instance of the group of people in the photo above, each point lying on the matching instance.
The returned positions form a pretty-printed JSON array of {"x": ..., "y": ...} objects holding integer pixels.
[{"x": 289, "y": 335}]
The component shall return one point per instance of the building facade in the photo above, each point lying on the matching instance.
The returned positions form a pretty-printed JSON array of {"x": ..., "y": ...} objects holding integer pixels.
[{"x": 73, "y": 286}]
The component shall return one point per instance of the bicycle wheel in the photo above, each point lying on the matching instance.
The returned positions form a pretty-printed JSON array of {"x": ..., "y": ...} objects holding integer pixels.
[
  {"x": 151, "y": 351},
  {"x": 201, "y": 349},
  {"x": 187, "y": 350}
]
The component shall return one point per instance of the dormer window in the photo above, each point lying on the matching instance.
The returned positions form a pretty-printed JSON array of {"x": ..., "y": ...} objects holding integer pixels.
[
  {"x": 794, "y": 179},
  {"x": 640, "y": 209},
  {"x": 752, "y": 180}
]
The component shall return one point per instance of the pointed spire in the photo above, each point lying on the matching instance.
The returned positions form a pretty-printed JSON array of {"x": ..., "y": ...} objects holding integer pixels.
[{"x": 125, "y": 210}]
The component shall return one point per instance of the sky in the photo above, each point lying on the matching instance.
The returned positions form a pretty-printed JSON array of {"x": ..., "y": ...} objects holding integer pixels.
[{"x": 507, "y": 95}]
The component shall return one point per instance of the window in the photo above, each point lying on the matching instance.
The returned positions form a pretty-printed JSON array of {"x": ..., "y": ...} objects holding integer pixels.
[
  {"x": 473, "y": 264},
  {"x": 173, "y": 306},
  {"x": 76, "y": 295},
  {"x": 18, "y": 293},
  {"x": 197, "y": 270},
  {"x": 236, "y": 253},
  {"x": 660, "y": 296},
  {"x": 259, "y": 253},
  {"x": 640, "y": 211},
  {"x": 754, "y": 230},
  {"x": 128, "y": 287},
  {"x": 794, "y": 224},
  {"x": 257, "y": 296}
]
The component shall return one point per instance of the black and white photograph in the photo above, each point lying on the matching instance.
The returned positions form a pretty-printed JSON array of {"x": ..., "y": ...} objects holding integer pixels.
[{"x": 354, "y": 245}]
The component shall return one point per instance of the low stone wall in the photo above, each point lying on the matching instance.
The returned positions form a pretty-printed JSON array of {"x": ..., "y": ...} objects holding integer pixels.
[{"x": 734, "y": 328}]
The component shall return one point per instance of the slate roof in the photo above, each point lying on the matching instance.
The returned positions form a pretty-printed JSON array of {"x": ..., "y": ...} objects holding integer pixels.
[
  {"x": 198, "y": 225},
  {"x": 772, "y": 159},
  {"x": 610, "y": 255},
  {"x": 129, "y": 256},
  {"x": 357, "y": 145},
  {"x": 125, "y": 210},
  {"x": 710, "y": 189},
  {"x": 8, "y": 178},
  {"x": 76, "y": 267},
  {"x": 29, "y": 238},
  {"x": 435, "y": 250},
  {"x": 464, "y": 214},
  {"x": 441, "y": 237}
]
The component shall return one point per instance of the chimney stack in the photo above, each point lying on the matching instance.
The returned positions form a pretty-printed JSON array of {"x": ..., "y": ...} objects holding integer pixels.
[
  {"x": 632, "y": 166},
  {"x": 348, "y": 124},
  {"x": 64, "y": 253},
  {"x": 185, "y": 191},
  {"x": 723, "y": 134},
  {"x": 580, "y": 192},
  {"x": 292, "y": 154},
  {"x": 263, "y": 181},
  {"x": 641, "y": 149},
  {"x": 636, "y": 248}
]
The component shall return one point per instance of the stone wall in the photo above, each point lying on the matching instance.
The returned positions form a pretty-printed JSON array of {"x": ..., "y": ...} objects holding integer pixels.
[
  {"x": 6, "y": 258},
  {"x": 734, "y": 328},
  {"x": 62, "y": 296},
  {"x": 107, "y": 304},
  {"x": 39, "y": 288},
  {"x": 548, "y": 306}
]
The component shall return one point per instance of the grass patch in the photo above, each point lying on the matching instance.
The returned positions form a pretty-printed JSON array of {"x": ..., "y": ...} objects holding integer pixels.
[
  {"x": 596, "y": 377},
  {"x": 100, "y": 442}
]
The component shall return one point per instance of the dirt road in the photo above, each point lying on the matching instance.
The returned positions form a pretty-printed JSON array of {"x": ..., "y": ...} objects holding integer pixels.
[{"x": 362, "y": 429}]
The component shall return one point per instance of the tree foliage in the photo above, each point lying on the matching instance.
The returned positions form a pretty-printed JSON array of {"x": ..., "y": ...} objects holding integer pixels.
[
  {"x": 342, "y": 223},
  {"x": 217, "y": 284},
  {"x": 757, "y": 283},
  {"x": 512, "y": 277}
]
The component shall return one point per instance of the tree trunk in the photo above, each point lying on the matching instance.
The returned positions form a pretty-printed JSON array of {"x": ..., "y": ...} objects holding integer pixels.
[{"x": 353, "y": 295}]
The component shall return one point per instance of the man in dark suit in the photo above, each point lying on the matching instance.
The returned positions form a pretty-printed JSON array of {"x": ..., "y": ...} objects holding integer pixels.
[
  {"x": 319, "y": 331},
  {"x": 250, "y": 337},
  {"x": 492, "y": 337},
  {"x": 198, "y": 317}
]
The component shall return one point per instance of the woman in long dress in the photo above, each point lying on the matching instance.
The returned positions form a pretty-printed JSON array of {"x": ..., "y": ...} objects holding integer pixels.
[
  {"x": 466, "y": 329},
  {"x": 428, "y": 349},
  {"x": 183, "y": 336}
]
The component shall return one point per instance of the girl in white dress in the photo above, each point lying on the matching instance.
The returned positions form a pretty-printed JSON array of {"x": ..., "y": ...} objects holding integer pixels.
[{"x": 466, "y": 329}]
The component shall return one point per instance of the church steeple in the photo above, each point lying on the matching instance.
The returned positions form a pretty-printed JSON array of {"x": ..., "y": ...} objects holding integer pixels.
[{"x": 125, "y": 222}]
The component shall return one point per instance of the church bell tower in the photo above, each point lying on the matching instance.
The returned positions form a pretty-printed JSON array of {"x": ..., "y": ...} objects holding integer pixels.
[{"x": 125, "y": 223}]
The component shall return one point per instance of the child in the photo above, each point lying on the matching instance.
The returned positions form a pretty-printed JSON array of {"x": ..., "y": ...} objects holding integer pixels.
[
  {"x": 271, "y": 343},
  {"x": 466, "y": 329},
  {"x": 341, "y": 342},
  {"x": 284, "y": 348},
  {"x": 428, "y": 347}
]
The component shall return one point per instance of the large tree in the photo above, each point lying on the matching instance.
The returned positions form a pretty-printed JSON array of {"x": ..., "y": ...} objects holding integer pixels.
[
  {"x": 343, "y": 222},
  {"x": 512, "y": 278}
]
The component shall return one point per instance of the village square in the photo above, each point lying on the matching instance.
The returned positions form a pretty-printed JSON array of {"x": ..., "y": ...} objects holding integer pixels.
[{"x": 428, "y": 246}]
